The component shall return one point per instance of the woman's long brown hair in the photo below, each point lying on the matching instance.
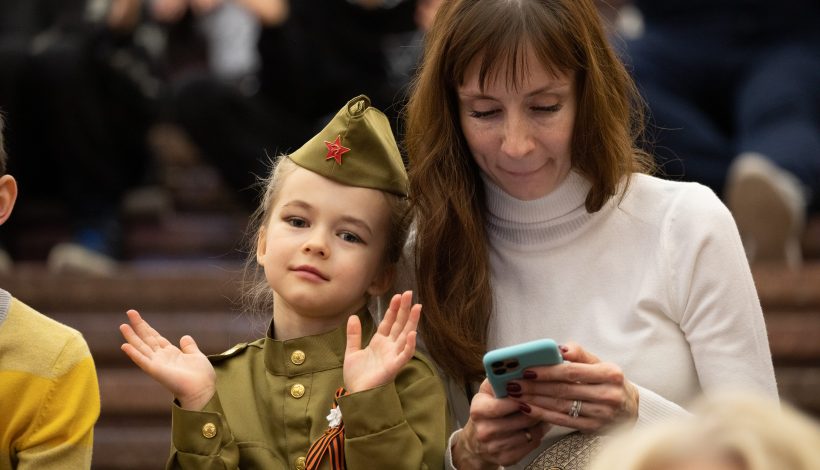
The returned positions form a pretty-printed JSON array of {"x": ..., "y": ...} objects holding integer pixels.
[{"x": 451, "y": 257}]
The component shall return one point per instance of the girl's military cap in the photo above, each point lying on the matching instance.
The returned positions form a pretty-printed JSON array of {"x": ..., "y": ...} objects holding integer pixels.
[{"x": 356, "y": 148}]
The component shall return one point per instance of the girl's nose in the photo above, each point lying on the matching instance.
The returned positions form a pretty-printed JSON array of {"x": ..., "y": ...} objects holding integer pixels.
[{"x": 316, "y": 246}]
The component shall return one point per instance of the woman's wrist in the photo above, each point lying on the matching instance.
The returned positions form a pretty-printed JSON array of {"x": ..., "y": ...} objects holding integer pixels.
[
  {"x": 634, "y": 400},
  {"x": 463, "y": 455}
]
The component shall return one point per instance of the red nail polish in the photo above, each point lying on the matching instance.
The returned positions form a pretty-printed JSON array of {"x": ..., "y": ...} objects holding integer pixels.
[
  {"x": 514, "y": 394},
  {"x": 528, "y": 374},
  {"x": 525, "y": 408},
  {"x": 563, "y": 348},
  {"x": 513, "y": 387}
]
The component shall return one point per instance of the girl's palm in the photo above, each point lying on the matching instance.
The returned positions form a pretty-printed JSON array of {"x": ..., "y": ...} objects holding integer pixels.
[
  {"x": 184, "y": 371},
  {"x": 389, "y": 350}
]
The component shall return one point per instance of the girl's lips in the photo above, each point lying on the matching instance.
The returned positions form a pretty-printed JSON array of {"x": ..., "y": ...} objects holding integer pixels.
[{"x": 310, "y": 271}]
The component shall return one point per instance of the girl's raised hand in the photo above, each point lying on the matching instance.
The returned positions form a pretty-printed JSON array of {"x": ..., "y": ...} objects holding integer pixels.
[
  {"x": 184, "y": 371},
  {"x": 390, "y": 348}
]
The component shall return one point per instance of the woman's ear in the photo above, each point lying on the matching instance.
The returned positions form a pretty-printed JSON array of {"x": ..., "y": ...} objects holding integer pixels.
[
  {"x": 261, "y": 246},
  {"x": 383, "y": 281},
  {"x": 8, "y": 194}
]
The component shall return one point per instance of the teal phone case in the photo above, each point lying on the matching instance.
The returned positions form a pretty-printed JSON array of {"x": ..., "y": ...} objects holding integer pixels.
[{"x": 506, "y": 364}]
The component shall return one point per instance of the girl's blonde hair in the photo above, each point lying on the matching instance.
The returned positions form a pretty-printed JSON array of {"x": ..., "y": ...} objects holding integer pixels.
[
  {"x": 451, "y": 248},
  {"x": 744, "y": 431},
  {"x": 257, "y": 296}
]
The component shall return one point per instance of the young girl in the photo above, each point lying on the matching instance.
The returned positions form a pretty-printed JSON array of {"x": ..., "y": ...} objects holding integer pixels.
[{"x": 331, "y": 227}]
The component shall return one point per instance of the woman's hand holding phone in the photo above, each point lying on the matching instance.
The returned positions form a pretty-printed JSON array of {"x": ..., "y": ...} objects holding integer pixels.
[
  {"x": 509, "y": 417},
  {"x": 497, "y": 433},
  {"x": 583, "y": 393},
  {"x": 506, "y": 364}
]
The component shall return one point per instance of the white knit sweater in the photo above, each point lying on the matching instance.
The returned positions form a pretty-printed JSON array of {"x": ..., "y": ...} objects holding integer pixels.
[{"x": 656, "y": 282}]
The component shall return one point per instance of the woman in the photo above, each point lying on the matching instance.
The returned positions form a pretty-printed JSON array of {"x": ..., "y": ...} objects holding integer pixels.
[{"x": 535, "y": 220}]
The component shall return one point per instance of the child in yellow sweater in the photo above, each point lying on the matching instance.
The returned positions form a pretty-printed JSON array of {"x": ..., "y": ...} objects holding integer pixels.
[{"x": 49, "y": 397}]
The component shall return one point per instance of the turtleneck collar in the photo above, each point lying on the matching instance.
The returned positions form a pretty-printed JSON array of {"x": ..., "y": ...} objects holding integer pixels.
[
  {"x": 540, "y": 220},
  {"x": 324, "y": 351}
]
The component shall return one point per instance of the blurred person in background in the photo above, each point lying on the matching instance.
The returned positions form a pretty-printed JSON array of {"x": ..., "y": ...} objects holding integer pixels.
[
  {"x": 84, "y": 81},
  {"x": 310, "y": 54},
  {"x": 79, "y": 97},
  {"x": 729, "y": 431},
  {"x": 734, "y": 92}
]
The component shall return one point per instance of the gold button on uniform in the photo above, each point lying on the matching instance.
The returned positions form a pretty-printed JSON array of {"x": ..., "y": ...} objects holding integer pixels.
[
  {"x": 297, "y": 390},
  {"x": 209, "y": 430},
  {"x": 297, "y": 357},
  {"x": 300, "y": 463}
]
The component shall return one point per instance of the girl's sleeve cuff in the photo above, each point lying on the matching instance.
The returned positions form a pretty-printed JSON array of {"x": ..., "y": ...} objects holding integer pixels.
[{"x": 200, "y": 432}]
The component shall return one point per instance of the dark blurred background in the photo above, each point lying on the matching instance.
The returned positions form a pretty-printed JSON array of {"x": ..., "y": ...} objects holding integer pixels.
[{"x": 136, "y": 130}]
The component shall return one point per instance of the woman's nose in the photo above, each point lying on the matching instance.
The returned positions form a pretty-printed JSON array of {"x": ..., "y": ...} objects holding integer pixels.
[{"x": 518, "y": 140}]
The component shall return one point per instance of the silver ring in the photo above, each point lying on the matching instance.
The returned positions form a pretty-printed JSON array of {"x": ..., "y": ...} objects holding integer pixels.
[
  {"x": 528, "y": 435},
  {"x": 575, "y": 409}
]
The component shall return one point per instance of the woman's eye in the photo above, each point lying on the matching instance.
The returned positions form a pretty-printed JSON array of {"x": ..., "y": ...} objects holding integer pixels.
[
  {"x": 296, "y": 222},
  {"x": 547, "y": 109},
  {"x": 350, "y": 237},
  {"x": 483, "y": 114}
]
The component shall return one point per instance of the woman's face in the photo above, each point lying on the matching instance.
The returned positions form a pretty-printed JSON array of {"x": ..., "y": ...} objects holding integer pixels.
[{"x": 520, "y": 136}]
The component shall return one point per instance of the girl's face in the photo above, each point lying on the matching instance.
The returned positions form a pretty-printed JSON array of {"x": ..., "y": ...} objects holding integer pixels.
[
  {"x": 520, "y": 136},
  {"x": 323, "y": 249}
]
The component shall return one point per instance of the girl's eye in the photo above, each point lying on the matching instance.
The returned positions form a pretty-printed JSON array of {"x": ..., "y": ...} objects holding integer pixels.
[
  {"x": 296, "y": 222},
  {"x": 547, "y": 109},
  {"x": 483, "y": 114},
  {"x": 350, "y": 237}
]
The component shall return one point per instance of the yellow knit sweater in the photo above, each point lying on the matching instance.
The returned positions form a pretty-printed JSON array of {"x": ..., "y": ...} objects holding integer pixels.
[{"x": 49, "y": 397}]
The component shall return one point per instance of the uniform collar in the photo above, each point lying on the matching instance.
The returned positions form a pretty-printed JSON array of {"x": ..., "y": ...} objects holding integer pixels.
[{"x": 317, "y": 352}]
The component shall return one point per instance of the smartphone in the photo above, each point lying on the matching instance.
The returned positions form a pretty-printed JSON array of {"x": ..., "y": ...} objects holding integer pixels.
[{"x": 506, "y": 364}]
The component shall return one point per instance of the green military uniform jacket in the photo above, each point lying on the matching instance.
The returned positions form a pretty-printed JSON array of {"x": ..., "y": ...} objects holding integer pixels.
[{"x": 272, "y": 402}]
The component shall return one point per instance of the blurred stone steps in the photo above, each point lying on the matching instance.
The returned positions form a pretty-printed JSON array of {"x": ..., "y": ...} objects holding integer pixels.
[
  {"x": 811, "y": 238},
  {"x": 791, "y": 306},
  {"x": 199, "y": 298},
  {"x": 187, "y": 236}
]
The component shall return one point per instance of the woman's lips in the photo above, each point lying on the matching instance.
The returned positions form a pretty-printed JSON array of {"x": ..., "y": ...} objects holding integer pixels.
[{"x": 523, "y": 173}]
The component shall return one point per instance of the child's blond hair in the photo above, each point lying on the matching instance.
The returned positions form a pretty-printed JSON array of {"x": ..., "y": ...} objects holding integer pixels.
[{"x": 737, "y": 429}]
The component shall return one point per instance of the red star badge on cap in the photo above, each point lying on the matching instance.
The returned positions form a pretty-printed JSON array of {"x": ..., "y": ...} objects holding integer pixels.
[{"x": 335, "y": 150}]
